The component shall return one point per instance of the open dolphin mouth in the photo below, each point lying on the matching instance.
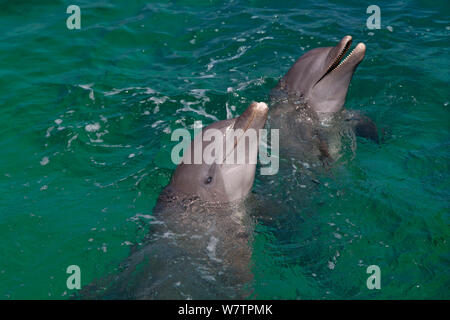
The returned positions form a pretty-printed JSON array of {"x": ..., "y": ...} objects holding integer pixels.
[
  {"x": 355, "y": 56},
  {"x": 338, "y": 60}
]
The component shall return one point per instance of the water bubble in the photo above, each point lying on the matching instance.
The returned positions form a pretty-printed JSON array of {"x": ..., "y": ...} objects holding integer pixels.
[
  {"x": 92, "y": 127},
  {"x": 44, "y": 161}
]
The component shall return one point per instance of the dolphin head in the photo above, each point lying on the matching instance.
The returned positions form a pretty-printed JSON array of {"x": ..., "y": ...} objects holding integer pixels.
[
  {"x": 322, "y": 78},
  {"x": 228, "y": 158}
]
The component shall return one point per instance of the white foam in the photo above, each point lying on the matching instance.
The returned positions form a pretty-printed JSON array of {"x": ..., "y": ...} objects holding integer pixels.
[
  {"x": 200, "y": 111},
  {"x": 71, "y": 139},
  {"x": 240, "y": 52},
  {"x": 156, "y": 123},
  {"x": 88, "y": 87},
  {"x": 44, "y": 161},
  {"x": 115, "y": 91},
  {"x": 92, "y": 127},
  {"x": 211, "y": 248}
]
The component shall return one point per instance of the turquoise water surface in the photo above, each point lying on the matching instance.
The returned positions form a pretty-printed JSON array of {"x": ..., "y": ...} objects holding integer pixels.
[{"x": 87, "y": 117}]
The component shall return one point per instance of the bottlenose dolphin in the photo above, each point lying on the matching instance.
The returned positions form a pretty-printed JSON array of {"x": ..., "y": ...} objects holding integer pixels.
[
  {"x": 307, "y": 105},
  {"x": 199, "y": 243}
]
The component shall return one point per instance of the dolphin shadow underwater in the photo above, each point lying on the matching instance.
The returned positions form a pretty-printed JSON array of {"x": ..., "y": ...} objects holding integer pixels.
[{"x": 199, "y": 244}]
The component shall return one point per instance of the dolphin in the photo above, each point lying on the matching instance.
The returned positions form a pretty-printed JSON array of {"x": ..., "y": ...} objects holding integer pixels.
[
  {"x": 198, "y": 246},
  {"x": 222, "y": 181},
  {"x": 307, "y": 105}
]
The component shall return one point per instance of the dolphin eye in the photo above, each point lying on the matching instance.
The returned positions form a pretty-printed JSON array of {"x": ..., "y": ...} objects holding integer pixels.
[{"x": 208, "y": 180}]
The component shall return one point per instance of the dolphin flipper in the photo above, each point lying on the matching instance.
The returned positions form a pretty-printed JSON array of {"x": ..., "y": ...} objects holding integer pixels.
[{"x": 362, "y": 125}]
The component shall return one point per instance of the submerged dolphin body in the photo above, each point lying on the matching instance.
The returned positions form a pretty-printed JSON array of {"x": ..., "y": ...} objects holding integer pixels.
[
  {"x": 307, "y": 105},
  {"x": 199, "y": 244}
]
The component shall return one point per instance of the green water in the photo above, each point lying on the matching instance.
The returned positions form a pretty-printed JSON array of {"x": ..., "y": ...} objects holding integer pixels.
[{"x": 87, "y": 116}]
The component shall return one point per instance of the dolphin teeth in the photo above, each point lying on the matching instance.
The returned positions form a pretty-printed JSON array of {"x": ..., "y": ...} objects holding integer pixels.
[
  {"x": 343, "y": 61},
  {"x": 337, "y": 61},
  {"x": 346, "y": 58}
]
